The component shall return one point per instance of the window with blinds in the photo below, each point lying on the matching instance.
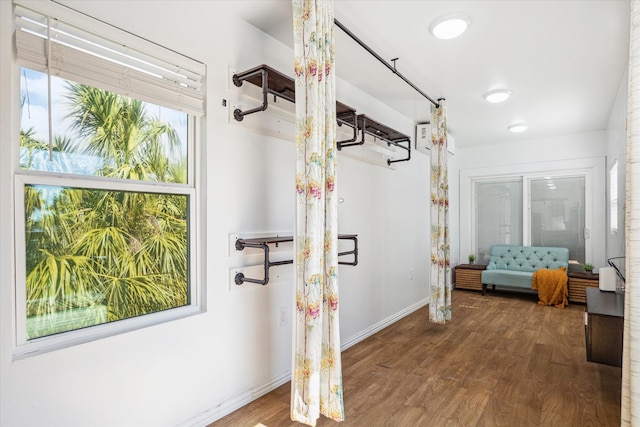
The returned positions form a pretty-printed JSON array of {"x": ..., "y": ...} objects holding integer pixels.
[
  {"x": 109, "y": 59},
  {"x": 107, "y": 188}
]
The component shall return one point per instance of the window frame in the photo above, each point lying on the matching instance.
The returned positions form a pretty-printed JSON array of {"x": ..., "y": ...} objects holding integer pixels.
[
  {"x": 193, "y": 189},
  {"x": 613, "y": 199}
]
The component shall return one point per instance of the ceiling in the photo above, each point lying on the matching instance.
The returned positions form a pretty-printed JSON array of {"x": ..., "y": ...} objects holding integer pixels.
[{"x": 562, "y": 60}]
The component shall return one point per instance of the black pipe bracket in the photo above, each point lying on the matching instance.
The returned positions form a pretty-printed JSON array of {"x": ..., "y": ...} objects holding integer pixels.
[{"x": 263, "y": 244}]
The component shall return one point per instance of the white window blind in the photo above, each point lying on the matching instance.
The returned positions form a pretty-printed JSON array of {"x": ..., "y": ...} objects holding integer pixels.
[{"x": 107, "y": 58}]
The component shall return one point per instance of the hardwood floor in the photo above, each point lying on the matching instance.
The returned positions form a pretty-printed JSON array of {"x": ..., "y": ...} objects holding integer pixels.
[{"x": 503, "y": 360}]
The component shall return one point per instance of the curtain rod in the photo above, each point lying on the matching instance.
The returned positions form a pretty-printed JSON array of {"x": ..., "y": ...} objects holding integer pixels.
[{"x": 392, "y": 68}]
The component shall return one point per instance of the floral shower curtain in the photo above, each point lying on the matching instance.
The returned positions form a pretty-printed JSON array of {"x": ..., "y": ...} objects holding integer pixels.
[
  {"x": 630, "y": 400},
  {"x": 440, "y": 302},
  {"x": 316, "y": 384}
]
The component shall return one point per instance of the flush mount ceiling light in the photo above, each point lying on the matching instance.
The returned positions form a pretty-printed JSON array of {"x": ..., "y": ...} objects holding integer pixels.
[
  {"x": 449, "y": 26},
  {"x": 497, "y": 95},
  {"x": 518, "y": 127}
]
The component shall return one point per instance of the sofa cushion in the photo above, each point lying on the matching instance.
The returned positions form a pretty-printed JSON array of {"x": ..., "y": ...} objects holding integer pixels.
[
  {"x": 520, "y": 279},
  {"x": 527, "y": 258}
]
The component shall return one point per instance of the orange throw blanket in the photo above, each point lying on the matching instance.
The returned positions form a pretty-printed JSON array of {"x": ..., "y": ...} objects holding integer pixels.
[{"x": 551, "y": 286}]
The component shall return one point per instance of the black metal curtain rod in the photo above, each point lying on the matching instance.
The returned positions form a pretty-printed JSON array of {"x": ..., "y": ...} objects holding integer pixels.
[{"x": 375, "y": 55}]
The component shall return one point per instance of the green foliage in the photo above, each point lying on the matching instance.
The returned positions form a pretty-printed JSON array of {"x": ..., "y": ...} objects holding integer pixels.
[
  {"x": 88, "y": 249},
  {"x": 472, "y": 258},
  {"x": 118, "y": 130},
  {"x": 588, "y": 267}
]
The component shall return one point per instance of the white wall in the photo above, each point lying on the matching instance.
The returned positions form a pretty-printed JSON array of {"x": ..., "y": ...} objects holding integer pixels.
[
  {"x": 584, "y": 151},
  {"x": 195, "y": 370}
]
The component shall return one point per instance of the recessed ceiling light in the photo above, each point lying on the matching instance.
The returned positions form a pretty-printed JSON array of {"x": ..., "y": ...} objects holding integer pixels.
[
  {"x": 497, "y": 95},
  {"x": 518, "y": 127},
  {"x": 449, "y": 26}
]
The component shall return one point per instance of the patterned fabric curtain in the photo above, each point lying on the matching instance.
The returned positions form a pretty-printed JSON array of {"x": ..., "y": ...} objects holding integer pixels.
[
  {"x": 630, "y": 401},
  {"x": 440, "y": 302},
  {"x": 316, "y": 384}
]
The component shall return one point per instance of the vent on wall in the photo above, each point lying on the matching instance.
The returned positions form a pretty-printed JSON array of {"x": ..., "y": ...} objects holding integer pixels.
[{"x": 423, "y": 139}]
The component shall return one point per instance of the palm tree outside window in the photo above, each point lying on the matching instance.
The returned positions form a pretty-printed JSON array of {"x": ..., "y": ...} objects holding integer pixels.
[{"x": 96, "y": 254}]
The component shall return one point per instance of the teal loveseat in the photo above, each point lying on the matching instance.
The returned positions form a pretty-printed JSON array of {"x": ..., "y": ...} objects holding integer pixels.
[{"x": 513, "y": 266}]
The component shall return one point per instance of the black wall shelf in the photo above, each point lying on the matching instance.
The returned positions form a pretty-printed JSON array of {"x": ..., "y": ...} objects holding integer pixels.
[
  {"x": 280, "y": 85},
  {"x": 264, "y": 242},
  {"x": 367, "y": 126},
  {"x": 271, "y": 81}
]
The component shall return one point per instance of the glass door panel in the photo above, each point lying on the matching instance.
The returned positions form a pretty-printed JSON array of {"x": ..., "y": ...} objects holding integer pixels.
[
  {"x": 498, "y": 216},
  {"x": 558, "y": 214}
]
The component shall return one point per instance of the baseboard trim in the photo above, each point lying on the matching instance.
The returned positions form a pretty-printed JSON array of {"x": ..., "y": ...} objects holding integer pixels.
[
  {"x": 236, "y": 401},
  {"x": 247, "y": 396},
  {"x": 382, "y": 324}
]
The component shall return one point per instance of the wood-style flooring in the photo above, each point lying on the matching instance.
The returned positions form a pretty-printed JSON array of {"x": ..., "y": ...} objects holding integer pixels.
[{"x": 503, "y": 360}]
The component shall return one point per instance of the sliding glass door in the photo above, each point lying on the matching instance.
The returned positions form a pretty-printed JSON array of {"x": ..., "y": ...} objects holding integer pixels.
[{"x": 537, "y": 211}]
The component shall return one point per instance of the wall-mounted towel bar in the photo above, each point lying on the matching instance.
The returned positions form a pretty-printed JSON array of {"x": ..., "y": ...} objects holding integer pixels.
[
  {"x": 354, "y": 251},
  {"x": 264, "y": 242}
]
